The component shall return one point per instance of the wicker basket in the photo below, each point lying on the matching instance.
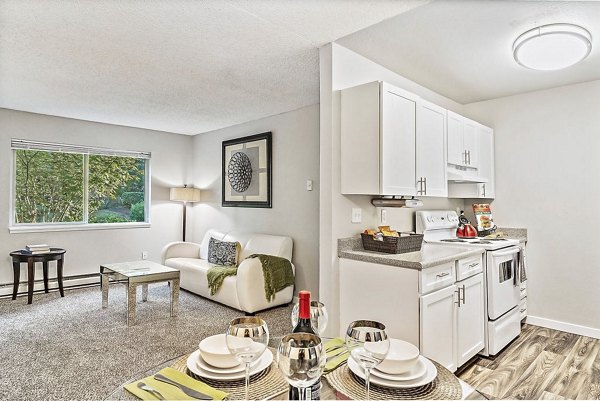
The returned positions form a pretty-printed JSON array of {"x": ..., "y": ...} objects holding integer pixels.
[{"x": 411, "y": 243}]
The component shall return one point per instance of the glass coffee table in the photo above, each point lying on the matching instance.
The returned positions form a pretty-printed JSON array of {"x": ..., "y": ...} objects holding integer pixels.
[{"x": 133, "y": 274}]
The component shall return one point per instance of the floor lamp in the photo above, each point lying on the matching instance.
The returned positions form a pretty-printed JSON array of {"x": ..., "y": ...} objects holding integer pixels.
[{"x": 185, "y": 195}]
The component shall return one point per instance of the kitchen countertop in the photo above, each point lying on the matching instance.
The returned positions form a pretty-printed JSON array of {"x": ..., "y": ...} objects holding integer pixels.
[
  {"x": 428, "y": 256},
  {"x": 514, "y": 233}
]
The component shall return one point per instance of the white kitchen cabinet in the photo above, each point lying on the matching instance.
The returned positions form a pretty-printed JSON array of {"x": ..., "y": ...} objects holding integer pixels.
[
  {"x": 419, "y": 306},
  {"x": 378, "y": 128},
  {"x": 431, "y": 174},
  {"x": 485, "y": 172},
  {"x": 470, "y": 337},
  {"x": 438, "y": 326},
  {"x": 463, "y": 146},
  {"x": 392, "y": 143}
]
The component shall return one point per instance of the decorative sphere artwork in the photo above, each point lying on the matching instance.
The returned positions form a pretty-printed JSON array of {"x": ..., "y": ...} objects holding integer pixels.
[{"x": 239, "y": 172}]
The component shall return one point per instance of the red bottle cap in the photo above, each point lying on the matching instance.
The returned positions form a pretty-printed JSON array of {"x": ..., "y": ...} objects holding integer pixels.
[{"x": 304, "y": 297}]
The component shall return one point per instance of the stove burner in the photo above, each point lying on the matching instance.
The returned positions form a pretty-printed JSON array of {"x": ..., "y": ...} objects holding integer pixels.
[
  {"x": 453, "y": 240},
  {"x": 496, "y": 239}
]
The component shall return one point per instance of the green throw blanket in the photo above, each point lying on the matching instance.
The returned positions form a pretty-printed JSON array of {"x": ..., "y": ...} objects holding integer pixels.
[
  {"x": 217, "y": 274},
  {"x": 278, "y": 274}
]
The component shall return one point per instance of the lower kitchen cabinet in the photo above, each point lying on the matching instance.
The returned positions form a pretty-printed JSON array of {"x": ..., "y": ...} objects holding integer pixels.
[
  {"x": 438, "y": 326},
  {"x": 443, "y": 317},
  {"x": 470, "y": 338}
]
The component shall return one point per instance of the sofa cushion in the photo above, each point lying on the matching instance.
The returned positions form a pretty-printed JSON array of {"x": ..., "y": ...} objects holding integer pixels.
[
  {"x": 268, "y": 245},
  {"x": 223, "y": 253},
  {"x": 204, "y": 244}
]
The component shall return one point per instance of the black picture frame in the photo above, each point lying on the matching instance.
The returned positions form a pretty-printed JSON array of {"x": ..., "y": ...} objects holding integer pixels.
[{"x": 256, "y": 162}]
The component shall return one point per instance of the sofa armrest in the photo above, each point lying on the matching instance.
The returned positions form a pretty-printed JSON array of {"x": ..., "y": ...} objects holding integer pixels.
[
  {"x": 251, "y": 287},
  {"x": 180, "y": 250}
]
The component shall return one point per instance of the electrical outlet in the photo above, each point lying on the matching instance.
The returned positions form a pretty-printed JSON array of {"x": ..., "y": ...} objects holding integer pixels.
[
  {"x": 144, "y": 255},
  {"x": 356, "y": 215},
  {"x": 309, "y": 185},
  {"x": 383, "y": 216}
]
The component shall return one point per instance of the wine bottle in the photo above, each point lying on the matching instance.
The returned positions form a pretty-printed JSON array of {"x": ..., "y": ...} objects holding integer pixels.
[{"x": 305, "y": 326}]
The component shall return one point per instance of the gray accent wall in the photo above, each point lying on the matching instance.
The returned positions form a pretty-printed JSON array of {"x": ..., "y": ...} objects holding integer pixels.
[{"x": 295, "y": 211}]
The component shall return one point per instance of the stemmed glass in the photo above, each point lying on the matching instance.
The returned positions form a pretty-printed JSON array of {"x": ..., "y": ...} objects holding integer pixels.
[
  {"x": 368, "y": 345},
  {"x": 318, "y": 316},
  {"x": 247, "y": 339},
  {"x": 301, "y": 358}
]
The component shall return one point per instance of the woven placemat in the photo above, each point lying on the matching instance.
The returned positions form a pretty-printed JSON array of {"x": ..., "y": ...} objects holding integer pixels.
[
  {"x": 263, "y": 385},
  {"x": 444, "y": 387}
]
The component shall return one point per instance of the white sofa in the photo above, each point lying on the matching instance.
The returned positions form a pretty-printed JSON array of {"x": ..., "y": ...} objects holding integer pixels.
[{"x": 246, "y": 290}]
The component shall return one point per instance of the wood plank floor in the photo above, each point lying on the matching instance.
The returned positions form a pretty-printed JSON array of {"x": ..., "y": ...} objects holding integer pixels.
[{"x": 541, "y": 364}]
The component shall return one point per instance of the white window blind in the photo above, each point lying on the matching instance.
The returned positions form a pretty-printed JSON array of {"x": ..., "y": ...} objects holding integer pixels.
[{"x": 65, "y": 148}]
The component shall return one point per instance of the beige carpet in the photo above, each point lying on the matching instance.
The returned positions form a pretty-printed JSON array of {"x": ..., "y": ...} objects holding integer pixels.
[{"x": 71, "y": 349}]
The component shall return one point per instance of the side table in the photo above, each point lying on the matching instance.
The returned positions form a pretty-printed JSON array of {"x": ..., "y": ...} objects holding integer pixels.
[{"x": 22, "y": 256}]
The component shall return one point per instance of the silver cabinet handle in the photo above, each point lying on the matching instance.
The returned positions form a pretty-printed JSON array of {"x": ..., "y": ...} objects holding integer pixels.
[
  {"x": 425, "y": 183},
  {"x": 463, "y": 291},
  {"x": 483, "y": 190},
  {"x": 465, "y": 156},
  {"x": 469, "y": 155},
  {"x": 523, "y": 310},
  {"x": 474, "y": 264},
  {"x": 442, "y": 275},
  {"x": 420, "y": 183},
  {"x": 458, "y": 296}
]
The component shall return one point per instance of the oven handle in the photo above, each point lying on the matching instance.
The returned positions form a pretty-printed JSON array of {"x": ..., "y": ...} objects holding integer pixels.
[{"x": 506, "y": 253}]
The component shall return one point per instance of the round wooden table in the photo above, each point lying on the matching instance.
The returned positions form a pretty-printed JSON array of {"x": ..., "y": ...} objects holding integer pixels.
[{"x": 22, "y": 256}]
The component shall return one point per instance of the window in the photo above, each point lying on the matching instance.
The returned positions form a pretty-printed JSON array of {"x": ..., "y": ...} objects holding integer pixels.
[{"x": 69, "y": 186}]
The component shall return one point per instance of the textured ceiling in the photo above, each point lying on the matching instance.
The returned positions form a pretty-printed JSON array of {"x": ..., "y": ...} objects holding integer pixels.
[
  {"x": 172, "y": 65},
  {"x": 463, "y": 49}
]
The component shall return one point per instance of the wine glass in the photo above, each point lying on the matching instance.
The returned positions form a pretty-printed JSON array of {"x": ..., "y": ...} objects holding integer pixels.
[
  {"x": 301, "y": 358},
  {"x": 318, "y": 316},
  {"x": 247, "y": 339},
  {"x": 368, "y": 345}
]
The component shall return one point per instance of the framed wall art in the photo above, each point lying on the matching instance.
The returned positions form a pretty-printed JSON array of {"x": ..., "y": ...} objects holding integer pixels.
[{"x": 246, "y": 176}]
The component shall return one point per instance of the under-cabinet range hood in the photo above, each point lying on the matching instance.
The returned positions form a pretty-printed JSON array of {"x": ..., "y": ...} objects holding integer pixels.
[{"x": 469, "y": 176}]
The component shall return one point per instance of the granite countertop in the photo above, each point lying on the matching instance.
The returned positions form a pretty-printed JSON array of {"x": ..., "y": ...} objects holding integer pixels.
[
  {"x": 428, "y": 256},
  {"x": 514, "y": 233}
]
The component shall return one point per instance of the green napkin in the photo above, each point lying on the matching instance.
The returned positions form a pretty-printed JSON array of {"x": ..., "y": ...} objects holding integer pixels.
[
  {"x": 337, "y": 354},
  {"x": 169, "y": 391}
]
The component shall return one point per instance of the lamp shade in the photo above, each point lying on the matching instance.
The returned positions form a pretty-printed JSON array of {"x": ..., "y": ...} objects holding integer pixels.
[{"x": 185, "y": 194}]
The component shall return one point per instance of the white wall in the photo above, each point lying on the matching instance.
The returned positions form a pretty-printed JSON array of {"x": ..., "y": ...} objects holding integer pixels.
[
  {"x": 341, "y": 68},
  {"x": 295, "y": 210},
  {"x": 548, "y": 180},
  {"x": 87, "y": 249}
]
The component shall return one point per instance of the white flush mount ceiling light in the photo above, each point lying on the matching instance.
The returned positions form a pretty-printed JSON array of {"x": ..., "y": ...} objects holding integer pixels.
[{"x": 552, "y": 47}]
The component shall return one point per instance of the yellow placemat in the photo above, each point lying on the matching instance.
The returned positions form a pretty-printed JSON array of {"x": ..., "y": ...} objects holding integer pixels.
[{"x": 171, "y": 392}]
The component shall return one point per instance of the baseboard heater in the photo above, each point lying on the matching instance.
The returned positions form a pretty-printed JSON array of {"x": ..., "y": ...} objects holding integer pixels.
[{"x": 69, "y": 282}]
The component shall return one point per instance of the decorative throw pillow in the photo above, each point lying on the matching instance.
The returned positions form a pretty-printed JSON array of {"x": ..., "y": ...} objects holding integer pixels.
[{"x": 222, "y": 253}]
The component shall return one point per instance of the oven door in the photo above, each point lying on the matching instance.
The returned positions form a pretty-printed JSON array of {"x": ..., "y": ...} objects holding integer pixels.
[{"x": 502, "y": 281}]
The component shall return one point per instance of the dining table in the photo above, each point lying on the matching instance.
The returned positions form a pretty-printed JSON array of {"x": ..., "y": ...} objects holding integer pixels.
[{"x": 328, "y": 391}]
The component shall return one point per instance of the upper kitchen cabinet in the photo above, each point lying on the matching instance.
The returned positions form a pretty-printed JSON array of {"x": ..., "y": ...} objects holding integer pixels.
[
  {"x": 431, "y": 150},
  {"x": 483, "y": 182},
  {"x": 378, "y": 135},
  {"x": 392, "y": 143},
  {"x": 462, "y": 141}
]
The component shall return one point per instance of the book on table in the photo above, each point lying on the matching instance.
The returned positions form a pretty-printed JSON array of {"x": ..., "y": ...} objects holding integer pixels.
[{"x": 37, "y": 249}]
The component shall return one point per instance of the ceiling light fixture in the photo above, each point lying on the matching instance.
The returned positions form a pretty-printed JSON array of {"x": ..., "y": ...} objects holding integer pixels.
[{"x": 552, "y": 47}]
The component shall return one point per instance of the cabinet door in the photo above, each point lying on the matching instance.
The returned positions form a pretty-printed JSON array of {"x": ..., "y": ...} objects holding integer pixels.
[
  {"x": 471, "y": 318},
  {"x": 397, "y": 144},
  {"x": 471, "y": 143},
  {"x": 456, "y": 148},
  {"x": 431, "y": 153},
  {"x": 485, "y": 135},
  {"x": 438, "y": 326}
]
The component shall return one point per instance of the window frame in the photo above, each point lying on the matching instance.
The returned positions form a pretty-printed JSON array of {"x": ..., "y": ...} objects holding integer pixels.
[{"x": 79, "y": 225}]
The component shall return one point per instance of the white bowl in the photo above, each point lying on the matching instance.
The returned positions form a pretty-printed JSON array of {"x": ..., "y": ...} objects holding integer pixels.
[
  {"x": 214, "y": 351},
  {"x": 401, "y": 358}
]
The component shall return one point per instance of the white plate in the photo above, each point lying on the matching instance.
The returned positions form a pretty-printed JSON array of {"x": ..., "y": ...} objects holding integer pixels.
[
  {"x": 427, "y": 378},
  {"x": 415, "y": 373},
  {"x": 263, "y": 362},
  {"x": 202, "y": 364}
]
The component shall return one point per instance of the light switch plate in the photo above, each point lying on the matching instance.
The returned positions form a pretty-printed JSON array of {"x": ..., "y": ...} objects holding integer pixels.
[
  {"x": 356, "y": 215},
  {"x": 309, "y": 185},
  {"x": 383, "y": 216}
]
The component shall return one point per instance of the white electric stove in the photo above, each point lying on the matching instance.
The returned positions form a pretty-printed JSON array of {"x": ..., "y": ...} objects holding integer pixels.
[{"x": 501, "y": 274}]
